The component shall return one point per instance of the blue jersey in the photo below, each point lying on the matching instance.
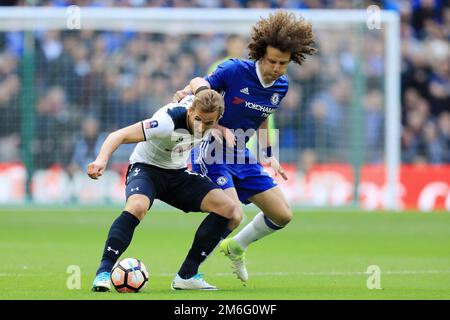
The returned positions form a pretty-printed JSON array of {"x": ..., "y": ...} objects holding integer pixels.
[{"x": 247, "y": 102}]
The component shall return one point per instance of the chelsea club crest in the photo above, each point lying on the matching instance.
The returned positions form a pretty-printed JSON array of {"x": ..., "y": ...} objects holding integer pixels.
[
  {"x": 221, "y": 181},
  {"x": 275, "y": 99}
]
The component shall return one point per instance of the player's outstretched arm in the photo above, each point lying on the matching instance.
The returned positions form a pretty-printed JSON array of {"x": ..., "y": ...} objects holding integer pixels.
[
  {"x": 192, "y": 87},
  {"x": 130, "y": 134},
  {"x": 198, "y": 83}
]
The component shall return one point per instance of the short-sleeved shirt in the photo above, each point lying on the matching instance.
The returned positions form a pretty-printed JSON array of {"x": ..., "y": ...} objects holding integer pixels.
[{"x": 168, "y": 139}]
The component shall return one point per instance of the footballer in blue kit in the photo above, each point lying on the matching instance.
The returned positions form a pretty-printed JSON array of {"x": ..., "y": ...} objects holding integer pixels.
[
  {"x": 249, "y": 102},
  {"x": 252, "y": 90}
]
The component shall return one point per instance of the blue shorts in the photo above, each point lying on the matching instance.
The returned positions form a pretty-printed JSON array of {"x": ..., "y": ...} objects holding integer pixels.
[{"x": 247, "y": 179}]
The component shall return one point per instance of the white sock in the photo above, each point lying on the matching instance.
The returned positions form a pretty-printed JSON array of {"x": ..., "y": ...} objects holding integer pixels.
[{"x": 256, "y": 229}]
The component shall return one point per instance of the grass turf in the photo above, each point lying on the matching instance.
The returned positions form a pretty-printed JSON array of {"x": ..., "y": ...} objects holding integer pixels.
[{"x": 320, "y": 255}]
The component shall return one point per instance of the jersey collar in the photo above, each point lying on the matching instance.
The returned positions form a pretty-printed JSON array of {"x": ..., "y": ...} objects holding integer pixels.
[{"x": 258, "y": 73}]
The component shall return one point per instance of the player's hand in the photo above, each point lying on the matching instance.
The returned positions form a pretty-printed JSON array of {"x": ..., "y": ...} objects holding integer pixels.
[
  {"x": 276, "y": 166},
  {"x": 95, "y": 169},
  {"x": 219, "y": 132},
  {"x": 180, "y": 94}
]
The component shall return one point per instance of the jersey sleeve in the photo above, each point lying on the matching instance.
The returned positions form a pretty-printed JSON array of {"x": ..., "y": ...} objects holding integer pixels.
[
  {"x": 223, "y": 75},
  {"x": 159, "y": 126}
]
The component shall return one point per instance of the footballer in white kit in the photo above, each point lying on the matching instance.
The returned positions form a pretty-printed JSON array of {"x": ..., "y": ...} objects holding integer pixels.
[
  {"x": 158, "y": 170},
  {"x": 158, "y": 166}
]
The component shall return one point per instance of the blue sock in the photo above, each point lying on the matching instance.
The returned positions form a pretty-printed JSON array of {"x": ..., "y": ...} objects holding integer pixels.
[
  {"x": 207, "y": 237},
  {"x": 119, "y": 238}
]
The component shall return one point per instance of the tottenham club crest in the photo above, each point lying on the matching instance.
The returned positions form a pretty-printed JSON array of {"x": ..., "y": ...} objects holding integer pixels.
[
  {"x": 221, "y": 181},
  {"x": 275, "y": 99}
]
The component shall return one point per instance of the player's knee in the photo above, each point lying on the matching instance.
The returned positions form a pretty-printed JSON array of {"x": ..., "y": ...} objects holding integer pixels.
[
  {"x": 137, "y": 209},
  {"x": 282, "y": 217},
  {"x": 228, "y": 209},
  {"x": 285, "y": 217},
  {"x": 236, "y": 217}
]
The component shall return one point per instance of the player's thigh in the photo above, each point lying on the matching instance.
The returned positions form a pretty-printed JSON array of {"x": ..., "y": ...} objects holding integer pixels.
[
  {"x": 224, "y": 179},
  {"x": 274, "y": 205},
  {"x": 232, "y": 193},
  {"x": 218, "y": 202},
  {"x": 186, "y": 191},
  {"x": 140, "y": 190}
]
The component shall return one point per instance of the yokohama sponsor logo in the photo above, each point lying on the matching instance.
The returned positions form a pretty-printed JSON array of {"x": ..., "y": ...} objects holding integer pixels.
[
  {"x": 252, "y": 105},
  {"x": 258, "y": 107}
]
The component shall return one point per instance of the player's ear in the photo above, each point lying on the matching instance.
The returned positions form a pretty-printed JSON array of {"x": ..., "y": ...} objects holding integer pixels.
[{"x": 219, "y": 114}]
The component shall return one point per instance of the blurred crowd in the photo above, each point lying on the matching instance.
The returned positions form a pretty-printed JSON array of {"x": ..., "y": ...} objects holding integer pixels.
[{"x": 88, "y": 83}]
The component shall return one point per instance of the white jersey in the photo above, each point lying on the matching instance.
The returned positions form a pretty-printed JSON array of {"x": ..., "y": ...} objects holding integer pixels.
[{"x": 168, "y": 142}]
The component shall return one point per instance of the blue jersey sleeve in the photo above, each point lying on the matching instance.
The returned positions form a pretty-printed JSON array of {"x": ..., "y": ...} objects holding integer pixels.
[{"x": 223, "y": 75}]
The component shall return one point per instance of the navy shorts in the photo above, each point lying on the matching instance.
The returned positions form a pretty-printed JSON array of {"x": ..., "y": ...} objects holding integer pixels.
[{"x": 180, "y": 188}]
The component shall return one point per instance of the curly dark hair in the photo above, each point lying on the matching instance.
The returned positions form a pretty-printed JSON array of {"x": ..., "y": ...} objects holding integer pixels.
[{"x": 283, "y": 31}]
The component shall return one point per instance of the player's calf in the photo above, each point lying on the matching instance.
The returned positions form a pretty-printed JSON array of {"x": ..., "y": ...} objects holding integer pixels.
[
  {"x": 119, "y": 237},
  {"x": 207, "y": 237}
]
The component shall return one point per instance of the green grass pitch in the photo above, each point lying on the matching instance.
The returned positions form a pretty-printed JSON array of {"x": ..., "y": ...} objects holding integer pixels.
[{"x": 320, "y": 255}]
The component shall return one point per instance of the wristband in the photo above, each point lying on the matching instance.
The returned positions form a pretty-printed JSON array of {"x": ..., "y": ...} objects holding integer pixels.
[
  {"x": 201, "y": 89},
  {"x": 268, "y": 151}
]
